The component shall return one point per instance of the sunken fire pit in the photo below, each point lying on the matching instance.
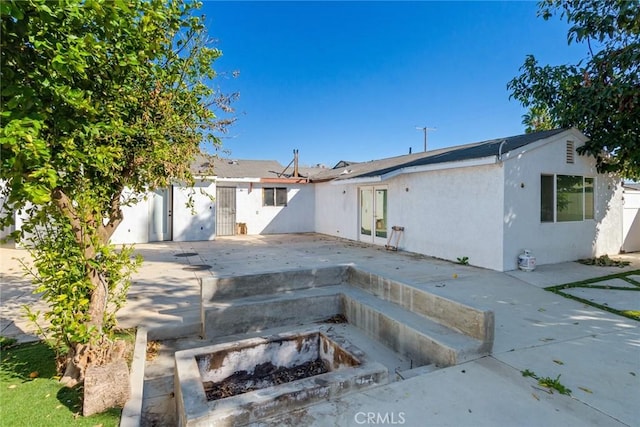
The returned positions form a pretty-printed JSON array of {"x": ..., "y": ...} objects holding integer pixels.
[{"x": 244, "y": 381}]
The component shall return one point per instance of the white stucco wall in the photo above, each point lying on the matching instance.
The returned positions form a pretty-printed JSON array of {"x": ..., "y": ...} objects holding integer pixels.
[
  {"x": 631, "y": 221},
  {"x": 199, "y": 221},
  {"x": 297, "y": 217},
  {"x": 134, "y": 227},
  {"x": 4, "y": 232},
  {"x": 446, "y": 213},
  {"x": 451, "y": 213},
  {"x": 185, "y": 225},
  {"x": 560, "y": 241},
  {"x": 337, "y": 210}
]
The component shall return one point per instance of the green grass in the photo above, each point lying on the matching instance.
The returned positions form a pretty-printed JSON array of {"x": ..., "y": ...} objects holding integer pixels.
[
  {"x": 594, "y": 284},
  {"x": 548, "y": 382},
  {"x": 41, "y": 401}
]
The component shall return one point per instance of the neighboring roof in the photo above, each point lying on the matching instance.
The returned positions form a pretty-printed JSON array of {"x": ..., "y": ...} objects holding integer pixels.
[
  {"x": 451, "y": 154},
  {"x": 632, "y": 186},
  {"x": 229, "y": 168},
  {"x": 205, "y": 164},
  {"x": 202, "y": 165},
  {"x": 344, "y": 163}
]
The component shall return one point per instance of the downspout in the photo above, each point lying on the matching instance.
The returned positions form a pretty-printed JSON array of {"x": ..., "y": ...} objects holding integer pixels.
[{"x": 500, "y": 151}]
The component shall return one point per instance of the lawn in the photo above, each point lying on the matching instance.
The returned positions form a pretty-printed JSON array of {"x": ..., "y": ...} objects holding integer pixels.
[
  {"x": 601, "y": 283},
  {"x": 30, "y": 394}
]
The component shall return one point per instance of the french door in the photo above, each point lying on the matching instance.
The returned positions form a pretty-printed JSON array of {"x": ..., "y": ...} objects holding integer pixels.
[{"x": 373, "y": 214}]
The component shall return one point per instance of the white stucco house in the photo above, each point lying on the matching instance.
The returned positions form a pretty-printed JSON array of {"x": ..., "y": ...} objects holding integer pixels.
[
  {"x": 487, "y": 201},
  {"x": 241, "y": 196}
]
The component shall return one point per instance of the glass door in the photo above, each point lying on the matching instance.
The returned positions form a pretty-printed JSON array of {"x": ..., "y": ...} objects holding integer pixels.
[
  {"x": 366, "y": 214},
  {"x": 380, "y": 216},
  {"x": 373, "y": 214}
]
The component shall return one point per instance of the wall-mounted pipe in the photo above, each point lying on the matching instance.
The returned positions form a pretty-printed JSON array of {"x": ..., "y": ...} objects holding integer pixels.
[{"x": 500, "y": 150}]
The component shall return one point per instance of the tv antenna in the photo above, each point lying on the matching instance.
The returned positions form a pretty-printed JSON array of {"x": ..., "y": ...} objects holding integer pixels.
[{"x": 426, "y": 130}]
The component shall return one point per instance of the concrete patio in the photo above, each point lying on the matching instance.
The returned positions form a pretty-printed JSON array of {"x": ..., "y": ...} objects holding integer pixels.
[{"x": 596, "y": 353}]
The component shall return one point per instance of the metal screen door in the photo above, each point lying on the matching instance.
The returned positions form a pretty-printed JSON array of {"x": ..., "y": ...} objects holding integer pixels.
[{"x": 225, "y": 211}]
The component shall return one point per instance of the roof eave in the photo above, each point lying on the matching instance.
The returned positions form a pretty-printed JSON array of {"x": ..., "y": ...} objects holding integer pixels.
[
  {"x": 228, "y": 179},
  {"x": 481, "y": 161},
  {"x": 299, "y": 180}
]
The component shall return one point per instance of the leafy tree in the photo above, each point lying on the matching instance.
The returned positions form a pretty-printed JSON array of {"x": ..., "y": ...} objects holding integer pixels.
[
  {"x": 537, "y": 119},
  {"x": 601, "y": 94},
  {"x": 97, "y": 97}
]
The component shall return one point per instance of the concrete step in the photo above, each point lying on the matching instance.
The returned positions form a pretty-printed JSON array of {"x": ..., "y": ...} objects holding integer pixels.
[
  {"x": 469, "y": 320},
  {"x": 227, "y": 288},
  {"x": 413, "y": 335},
  {"x": 170, "y": 327},
  {"x": 256, "y": 313}
]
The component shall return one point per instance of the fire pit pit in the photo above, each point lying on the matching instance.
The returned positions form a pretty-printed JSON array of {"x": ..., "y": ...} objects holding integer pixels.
[{"x": 245, "y": 381}]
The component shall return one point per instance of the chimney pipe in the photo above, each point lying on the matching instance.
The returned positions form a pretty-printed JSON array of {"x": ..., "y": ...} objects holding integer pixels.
[{"x": 295, "y": 163}]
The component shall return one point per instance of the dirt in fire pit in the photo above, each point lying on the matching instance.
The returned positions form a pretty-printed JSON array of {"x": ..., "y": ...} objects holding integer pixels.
[{"x": 265, "y": 375}]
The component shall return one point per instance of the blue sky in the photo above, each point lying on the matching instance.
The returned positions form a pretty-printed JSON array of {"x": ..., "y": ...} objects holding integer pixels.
[{"x": 352, "y": 80}]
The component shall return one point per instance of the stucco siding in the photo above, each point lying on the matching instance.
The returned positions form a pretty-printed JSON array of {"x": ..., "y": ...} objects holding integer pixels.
[
  {"x": 337, "y": 210},
  {"x": 198, "y": 221},
  {"x": 296, "y": 217},
  {"x": 4, "y": 232},
  {"x": 447, "y": 213},
  {"x": 451, "y": 213},
  {"x": 553, "y": 242},
  {"x": 134, "y": 227}
]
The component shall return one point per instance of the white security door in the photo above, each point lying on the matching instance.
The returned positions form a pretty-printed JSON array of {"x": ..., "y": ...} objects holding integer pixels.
[
  {"x": 160, "y": 215},
  {"x": 225, "y": 211}
]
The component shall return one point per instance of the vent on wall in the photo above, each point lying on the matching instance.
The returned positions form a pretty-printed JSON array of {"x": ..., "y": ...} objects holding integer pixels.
[{"x": 570, "y": 151}]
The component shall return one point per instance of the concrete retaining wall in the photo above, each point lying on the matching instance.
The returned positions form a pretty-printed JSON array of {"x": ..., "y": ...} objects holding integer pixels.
[
  {"x": 272, "y": 313},
  {"x": 425, "y": 327},
  {"x": 217, "y": 289}
]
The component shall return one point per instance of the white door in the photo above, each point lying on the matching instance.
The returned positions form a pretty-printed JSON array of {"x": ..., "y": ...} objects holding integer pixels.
[
  {"x": 631, "y": 221},
  {"x": 373, "y": 214},
  {"x": 160, "y": 215}
]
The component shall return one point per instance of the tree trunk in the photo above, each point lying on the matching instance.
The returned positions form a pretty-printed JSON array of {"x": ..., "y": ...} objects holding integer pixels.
[
  {"x": 99, "y": 296},
  {"x": 81, "y": 356}
]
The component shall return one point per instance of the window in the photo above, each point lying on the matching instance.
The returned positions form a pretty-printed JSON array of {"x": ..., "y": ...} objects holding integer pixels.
[
  {"x": 588, "y": 199},
  {"x": 569, "y": 198},
  {"x": 546, "y": 198},
  {"x": 566, "y": 198},
  {"x": 274, "y": 196}
]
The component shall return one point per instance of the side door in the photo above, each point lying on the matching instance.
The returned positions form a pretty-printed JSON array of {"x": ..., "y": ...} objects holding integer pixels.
[
  {"x": 225, "y": 211},
  {"x": 160, "y": 223}
]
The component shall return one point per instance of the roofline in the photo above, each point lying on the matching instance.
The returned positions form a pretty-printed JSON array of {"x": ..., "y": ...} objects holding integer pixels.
[
  {"x": 481, "y": 161},
  {"x": 284, "y": 180},
  {"x": 579, "y": 137},
  {"x": 221, "y": 179},
  {"x": 205, "y": 177}
]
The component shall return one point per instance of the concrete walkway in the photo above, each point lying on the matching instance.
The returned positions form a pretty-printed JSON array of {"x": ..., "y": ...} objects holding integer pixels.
[{"x": 596, "y": 353}]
